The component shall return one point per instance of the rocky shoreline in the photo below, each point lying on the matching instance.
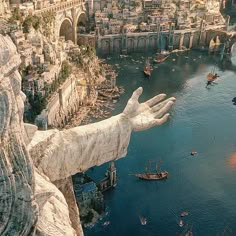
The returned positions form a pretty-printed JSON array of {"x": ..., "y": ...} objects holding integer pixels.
[
  {"x": 100, "y": 102},
  {"x": 97, "y": 108}
]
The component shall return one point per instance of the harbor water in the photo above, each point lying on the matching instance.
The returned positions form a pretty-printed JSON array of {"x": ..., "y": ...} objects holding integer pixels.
[{"x": 204, "y": 120}]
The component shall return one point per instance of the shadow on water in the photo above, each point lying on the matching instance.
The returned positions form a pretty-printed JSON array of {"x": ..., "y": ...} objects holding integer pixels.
[{"x": 234, "y": 100}]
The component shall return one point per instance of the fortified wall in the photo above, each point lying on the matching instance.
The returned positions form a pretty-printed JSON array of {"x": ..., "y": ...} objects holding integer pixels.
[{"x": 64, "y": 104}]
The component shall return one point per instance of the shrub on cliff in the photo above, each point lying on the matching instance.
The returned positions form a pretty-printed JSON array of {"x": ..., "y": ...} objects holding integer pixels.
[
  {"x": 31, "y": 21},
  {"x": 16, "y": 16},
  {"x": 65, "y": 71}
]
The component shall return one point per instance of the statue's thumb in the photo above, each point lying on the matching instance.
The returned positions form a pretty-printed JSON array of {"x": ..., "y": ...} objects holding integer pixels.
[{"x": 136, "y": 94}]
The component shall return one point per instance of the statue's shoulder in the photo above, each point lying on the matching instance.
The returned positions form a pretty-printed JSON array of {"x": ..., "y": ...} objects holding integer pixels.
[{"x": 42, "y": 137}]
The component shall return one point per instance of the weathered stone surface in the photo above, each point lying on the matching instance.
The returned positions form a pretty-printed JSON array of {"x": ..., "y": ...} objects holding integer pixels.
[
  {"x": 31, "y": 160},
  {"x": 53, "y": 209},
  {"x": 66, "y": 187},
  {"x": 18, "y": 210},
  {"x": 75, "y": 150}
]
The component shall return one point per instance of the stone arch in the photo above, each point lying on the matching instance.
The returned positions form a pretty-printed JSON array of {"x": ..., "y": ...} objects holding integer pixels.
[
  {"x": 81, "y": 24},
  {"x": 81, "y": 19},
  {"x": 186, "y": 40},
  {"x": 152, "y": 42},
  {"x": 106, "y": 46},
  {"x": 130, "y": 44},
  {"x": 66, "y": 29},
  {"x": 117, "y": 45},
  {"x": 233, "y": 47},
  {"x": 163, "y": 41},
  {"x": 142, "y": 43}
]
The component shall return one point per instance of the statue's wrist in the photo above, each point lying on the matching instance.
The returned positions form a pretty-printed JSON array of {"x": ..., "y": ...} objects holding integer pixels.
[{"x": 126, "y": 119}]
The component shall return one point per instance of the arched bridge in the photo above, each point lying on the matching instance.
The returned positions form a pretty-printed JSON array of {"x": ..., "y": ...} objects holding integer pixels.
[
  {"x": 69, "y": 16},
  {"x": 229, "y": 38}
]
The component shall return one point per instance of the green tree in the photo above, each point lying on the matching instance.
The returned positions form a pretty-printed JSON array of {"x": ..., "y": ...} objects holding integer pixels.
[
  {"x": 88, "y": 218},
  {"x": 27, "y": 24},
  {"x": 65, "y": 71},
  {"x": 47, "y": 20},
  {"x": 110, "y": 15},
  {"x": 39, "y": 103},
  {"x": 16, "y": 16},
  {"x": 36, "y": 22}
]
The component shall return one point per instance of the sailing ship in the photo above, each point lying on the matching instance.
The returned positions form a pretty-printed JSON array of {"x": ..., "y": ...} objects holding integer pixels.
[
  {"x": 147, "y": 68},
  {"x": 158, "y": 175},
  {"x": 211, "y": 77}
]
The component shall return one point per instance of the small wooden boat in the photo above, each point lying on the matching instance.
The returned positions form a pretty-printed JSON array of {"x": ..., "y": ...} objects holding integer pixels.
[
  {"x": 143, "y": 220},
  {"x": 212, "y": 77},
  {"x": 160, "y": 58},
  {"x": 158, "y": 175},
  {"x": 147, "y": 68},
  {"x": 181, "y": 223},
  {"x": 185, "y": 213},
  {"x": 163, "y": 52},
  {"x": 189, "y": 233},
  {"x": 193, "y": 153},
  {"x": 106, "y": 223}
]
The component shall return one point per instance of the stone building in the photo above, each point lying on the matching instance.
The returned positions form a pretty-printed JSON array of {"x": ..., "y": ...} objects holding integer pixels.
[
  {"x": 87, "y": 195},
  {"x": 110, "y": 180},
  {"x": 4, "y": 8}
]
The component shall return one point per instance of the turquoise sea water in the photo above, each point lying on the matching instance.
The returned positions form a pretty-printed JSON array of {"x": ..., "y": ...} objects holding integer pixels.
[{"x": 203, "y": 120}]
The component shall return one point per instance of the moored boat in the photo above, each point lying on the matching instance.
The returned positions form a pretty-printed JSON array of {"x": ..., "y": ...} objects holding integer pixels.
[
  {"x": 163, "y": 52},
  {"x": 184, "y": 213},
  {"x": 143, "y": 220},
  {"x": 181, "y": 223},
  {"x": 161, "y": 56},
  {"x": 147, "y": 68},
  {"x": 106, "y": 223},
  {"x": 211, "y": 77}
]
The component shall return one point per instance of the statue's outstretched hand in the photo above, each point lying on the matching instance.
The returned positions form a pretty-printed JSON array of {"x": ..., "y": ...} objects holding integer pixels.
[{"x": 148, "y": 114}]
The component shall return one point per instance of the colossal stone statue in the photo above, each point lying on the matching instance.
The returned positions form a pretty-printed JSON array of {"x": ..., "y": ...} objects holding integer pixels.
[{"x": 32, "y": 162}]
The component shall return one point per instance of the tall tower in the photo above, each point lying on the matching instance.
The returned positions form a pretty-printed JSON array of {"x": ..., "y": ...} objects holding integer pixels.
[{"x": 112, "y": 174}]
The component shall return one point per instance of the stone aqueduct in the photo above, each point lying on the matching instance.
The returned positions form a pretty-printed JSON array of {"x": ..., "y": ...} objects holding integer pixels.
[
  {"x": 175, "y": 39},
  {"x": 68, "y": 16}
]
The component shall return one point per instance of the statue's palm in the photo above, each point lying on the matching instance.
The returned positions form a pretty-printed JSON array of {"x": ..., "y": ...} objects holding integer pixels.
[{"x": 148, "y": 114}]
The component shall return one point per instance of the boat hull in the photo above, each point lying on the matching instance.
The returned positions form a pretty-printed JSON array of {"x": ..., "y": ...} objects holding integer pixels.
[
  {"x": 159, "y": 60},
  {"x": 147, "y": 73},
  {"x": 153, "y": 176}
]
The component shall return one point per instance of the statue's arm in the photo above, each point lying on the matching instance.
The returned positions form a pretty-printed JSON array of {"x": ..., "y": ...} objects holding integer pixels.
[
  {"x": 68, "y": 152},
  {"x": 60, "y": 154}
]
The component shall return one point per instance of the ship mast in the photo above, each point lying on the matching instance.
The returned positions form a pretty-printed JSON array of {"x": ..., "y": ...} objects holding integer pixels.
[{"x": 148, "y": 168}]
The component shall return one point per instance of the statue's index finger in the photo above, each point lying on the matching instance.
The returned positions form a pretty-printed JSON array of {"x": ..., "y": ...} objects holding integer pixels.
[{"x": 155, "y": 99}]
